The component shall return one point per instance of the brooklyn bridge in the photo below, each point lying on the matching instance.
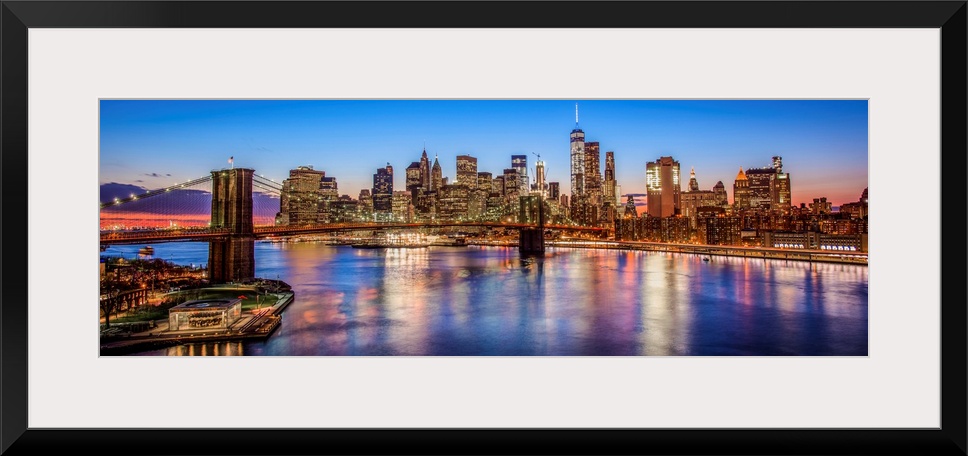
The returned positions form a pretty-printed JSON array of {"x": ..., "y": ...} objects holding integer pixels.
[{"x": 232, "y": 231}]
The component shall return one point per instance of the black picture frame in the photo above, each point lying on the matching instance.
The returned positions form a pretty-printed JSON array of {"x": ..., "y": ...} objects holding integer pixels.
[{"x": 18, "y": 16}]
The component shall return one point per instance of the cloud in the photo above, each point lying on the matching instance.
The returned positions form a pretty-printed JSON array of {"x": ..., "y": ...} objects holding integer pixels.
[
  {"x": 139, "y": 180},
  {"x": 256, "y": 194},
  {"x": 152, "y": 174}
]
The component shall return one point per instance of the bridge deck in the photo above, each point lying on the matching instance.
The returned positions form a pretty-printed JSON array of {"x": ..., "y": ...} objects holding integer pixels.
[{"x": 206, "y": 234}]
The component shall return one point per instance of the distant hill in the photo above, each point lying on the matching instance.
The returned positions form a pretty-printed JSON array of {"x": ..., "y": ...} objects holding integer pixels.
[{"x": 114, "y": 190}]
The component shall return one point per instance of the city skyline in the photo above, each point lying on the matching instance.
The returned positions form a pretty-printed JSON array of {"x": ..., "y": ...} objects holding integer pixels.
[
  {"x": 156, "y": 143},
  {"x": 397, "y": 242}
]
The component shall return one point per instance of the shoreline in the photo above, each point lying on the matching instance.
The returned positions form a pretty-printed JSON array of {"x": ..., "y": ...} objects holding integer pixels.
[
  {"x": 804, "y": 255},
  {"x": 807, "y": 256},
  {"x": 257, "y": 327}
]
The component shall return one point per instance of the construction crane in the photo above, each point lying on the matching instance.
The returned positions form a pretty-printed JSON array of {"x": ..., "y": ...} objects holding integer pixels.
[{"x": 533, "y": 173}]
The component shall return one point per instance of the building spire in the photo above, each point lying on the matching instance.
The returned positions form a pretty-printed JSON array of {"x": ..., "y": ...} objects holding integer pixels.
[
  {"x": 693, "y": 183},
  {"x": 576, "y": 115},
  {"x": 741, "y": 175}
]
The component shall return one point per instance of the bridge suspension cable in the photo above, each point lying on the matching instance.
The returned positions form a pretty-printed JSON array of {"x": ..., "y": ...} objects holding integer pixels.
[
  {"x": 258, "y": 181},
  {"x": 160, "y": 191},
  {"x": 266, "y": 183},
  {"x": 185, "y": 204}
]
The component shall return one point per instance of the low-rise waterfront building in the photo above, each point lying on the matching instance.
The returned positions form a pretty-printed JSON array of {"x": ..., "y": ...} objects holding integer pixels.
[
  {"x": 204, "y": 314},
  {"x": 816, "y": 241}
]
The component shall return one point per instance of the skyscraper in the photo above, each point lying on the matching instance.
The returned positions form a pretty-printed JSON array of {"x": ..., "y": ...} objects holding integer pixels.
[
  {"x": 608, "y": 202},
  {"x": 693, "y": 183},
  {"x": 329, "y": 193},
  {"x": 453, "y": 202},
  {"x": 366, "y": 204},
  {"x": 512, "y": 189},
  {"x": 383, "y": 192},
  {"x": 467, "y": 171},
  {"x": 497, "y": 185},
  {"x": 414, "y": 184},
  {"x": 663, "y": 187},
  {"x": 478, "y": 193},
  {"x": 722, "y": 200},
  {"x": 577, "y": 139},
  {"x": 761, "y": 182},
  {"x": 496, "y": 201},
  {"x": 539, "y": 179},
  {"x": 695, "y": 200},
  {"x": 554, "y": 190},
  {"x": 520, "y": 164},
  {"x": 630, "y": 210},
  {"x": 769, "y": 187},
  {"x": 402, "y": 206},
  {"x": 741, "y": 191},
  {"x": 608, "y": 191},
  {"x": 301, "y": 197},
  {"x": 425, "y": 171},
  {"x": 484, "y": 181},
  {"x": 435, "y": 177},
  {"x": 593, "y": 176},
  {"x": 783, "y": 198}
]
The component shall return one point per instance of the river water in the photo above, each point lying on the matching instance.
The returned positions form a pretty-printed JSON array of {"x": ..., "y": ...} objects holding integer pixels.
[{"x": 471, "y": 301}]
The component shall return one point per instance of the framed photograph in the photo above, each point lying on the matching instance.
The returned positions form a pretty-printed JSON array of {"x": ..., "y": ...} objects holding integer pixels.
[{"x": 483, "y": 227}]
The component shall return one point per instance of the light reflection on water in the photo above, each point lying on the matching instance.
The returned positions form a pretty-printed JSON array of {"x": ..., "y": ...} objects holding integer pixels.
[
  {"x": 490, "y": 301},
  {"x": 209, "y": 349}
]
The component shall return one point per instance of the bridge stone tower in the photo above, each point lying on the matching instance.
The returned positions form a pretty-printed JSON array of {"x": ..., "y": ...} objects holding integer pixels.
[
  {"x": 531, "y": 240},
  {"x": 232, "y": 258}
]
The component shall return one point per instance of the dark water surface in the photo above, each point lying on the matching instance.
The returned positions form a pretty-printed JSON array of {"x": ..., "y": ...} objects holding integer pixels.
[{"x": 468, "y": 301}]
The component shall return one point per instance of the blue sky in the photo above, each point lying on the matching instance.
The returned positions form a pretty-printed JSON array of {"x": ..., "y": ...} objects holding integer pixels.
[{"x": 156, "y": 143}]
